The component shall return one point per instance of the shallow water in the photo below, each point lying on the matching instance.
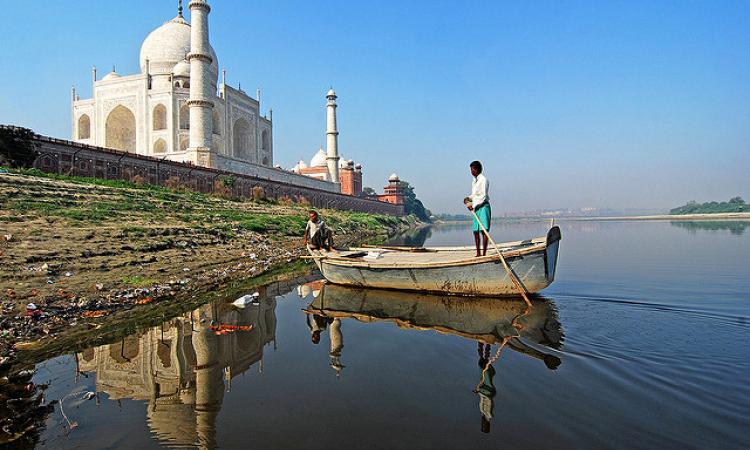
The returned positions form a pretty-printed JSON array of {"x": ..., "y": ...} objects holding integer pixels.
[{"x": 642, "y": 341}]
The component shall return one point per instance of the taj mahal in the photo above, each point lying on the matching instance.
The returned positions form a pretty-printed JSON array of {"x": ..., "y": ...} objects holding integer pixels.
[{"x": 178, "y": 109}]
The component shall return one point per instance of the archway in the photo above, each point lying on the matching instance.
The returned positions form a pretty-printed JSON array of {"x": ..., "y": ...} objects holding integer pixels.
[
  {"x": 84, "y": 127},
  {"x": 216, "y": 125},
  {"x": 265, "y": 147},
  {"x": 160, "y": 117},
  {"x": 120, "y": 129},
  {"x": 184, "y": 117},
  {"x": 160, "y": 146},
  {"x": 242, "y": 139}
]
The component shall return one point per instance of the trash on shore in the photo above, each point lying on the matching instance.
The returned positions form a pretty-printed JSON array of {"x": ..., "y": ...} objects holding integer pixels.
[
  {"x": 144, "y": 301},
  {"x": 93, "y": 314}
]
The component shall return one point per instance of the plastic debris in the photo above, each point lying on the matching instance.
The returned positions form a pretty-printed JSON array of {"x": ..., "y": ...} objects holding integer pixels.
[
  {"x": 144, "y": 301},
  {"x": 246, "y": 300},
  {"x": 8, "y": 237},
  {"x": 33, "y": 311}
]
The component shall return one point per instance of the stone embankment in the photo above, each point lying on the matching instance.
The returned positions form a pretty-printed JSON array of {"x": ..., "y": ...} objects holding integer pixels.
[{"x": 79, "y": 254}]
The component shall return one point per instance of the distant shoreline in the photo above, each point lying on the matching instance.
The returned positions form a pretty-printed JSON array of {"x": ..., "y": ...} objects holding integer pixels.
[{"x": 670, "y": 217}]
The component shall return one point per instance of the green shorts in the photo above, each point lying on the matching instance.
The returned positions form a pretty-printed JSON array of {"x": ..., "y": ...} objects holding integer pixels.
[{"x": 484, "y": 212}]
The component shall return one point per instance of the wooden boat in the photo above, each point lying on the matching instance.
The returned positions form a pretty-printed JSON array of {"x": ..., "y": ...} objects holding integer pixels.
[
  {"x": 446, "y": 270},
  {"x": 482, "y": 319}
]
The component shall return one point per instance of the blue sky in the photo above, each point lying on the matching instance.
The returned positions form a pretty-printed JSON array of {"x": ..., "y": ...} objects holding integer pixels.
[{"x": 620, "y": 104}]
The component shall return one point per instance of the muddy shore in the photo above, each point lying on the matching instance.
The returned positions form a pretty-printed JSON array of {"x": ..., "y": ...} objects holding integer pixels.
[{"x": 81, "y": 257}]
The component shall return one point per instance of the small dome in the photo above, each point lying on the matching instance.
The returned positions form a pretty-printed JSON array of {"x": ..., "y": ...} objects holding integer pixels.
[
  {"x": 331, "y": 93},
  {"x": 319, "y": 160},
  {"x": 350, "y": 163},
  {"x": 358, "y": 167},
  {"x": 111, "y": 76},
  {"x": 342, "y": 163},
  {"x": 299, "y": 166},
  {"x": 181, "y": 69},
  {"x": 393, "y": 178},
  {"x": 168, "y": 45}
]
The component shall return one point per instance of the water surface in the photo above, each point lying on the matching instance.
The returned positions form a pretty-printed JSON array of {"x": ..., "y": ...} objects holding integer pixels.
[{"x": 642, "y": 341}]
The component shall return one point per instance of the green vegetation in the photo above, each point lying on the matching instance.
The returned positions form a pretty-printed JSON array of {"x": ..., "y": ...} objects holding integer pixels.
[
  {"x": 16, "y": 147},
  {"x": 734, "y": 205},
  {"x": 129, "y": 203},
  {"x": 412, "y": 205},
  {"x": 138, "y": 281}
]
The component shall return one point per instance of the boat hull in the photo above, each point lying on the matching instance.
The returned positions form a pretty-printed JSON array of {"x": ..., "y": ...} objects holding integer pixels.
[{"x": 535, "y": 270}]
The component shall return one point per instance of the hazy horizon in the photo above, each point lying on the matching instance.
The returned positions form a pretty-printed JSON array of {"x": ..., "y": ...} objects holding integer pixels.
[{"x": 639, "y": 105}]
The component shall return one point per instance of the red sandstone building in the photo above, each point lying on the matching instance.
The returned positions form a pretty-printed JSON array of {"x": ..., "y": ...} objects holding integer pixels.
[{"x": 350, "y": 178}]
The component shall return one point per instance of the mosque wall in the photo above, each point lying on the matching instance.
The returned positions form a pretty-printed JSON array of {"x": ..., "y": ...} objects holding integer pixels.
[{"x": 73, "y": 158}]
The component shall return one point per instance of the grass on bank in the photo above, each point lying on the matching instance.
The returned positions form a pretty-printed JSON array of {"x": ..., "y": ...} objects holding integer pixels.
[{"x": 132, "y": 201}]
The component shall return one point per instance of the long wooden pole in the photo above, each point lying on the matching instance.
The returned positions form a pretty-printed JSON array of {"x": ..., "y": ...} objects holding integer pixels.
[{"x": 512, "y": 275}]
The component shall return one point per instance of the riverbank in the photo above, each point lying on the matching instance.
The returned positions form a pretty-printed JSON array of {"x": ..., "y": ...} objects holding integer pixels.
[{"x": 82, "y": 254}]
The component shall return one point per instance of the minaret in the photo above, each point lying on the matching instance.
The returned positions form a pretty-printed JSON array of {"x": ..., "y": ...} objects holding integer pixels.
[
  {"x": 201, "y": 95},
  {"x": 332, "y": 136}
]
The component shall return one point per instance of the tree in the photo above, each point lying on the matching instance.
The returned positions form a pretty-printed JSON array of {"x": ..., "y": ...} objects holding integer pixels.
[
  {"x": 412, "y": 205},
  {"x": 16, "y": 147},
  {"x": 367, "y": 191}
]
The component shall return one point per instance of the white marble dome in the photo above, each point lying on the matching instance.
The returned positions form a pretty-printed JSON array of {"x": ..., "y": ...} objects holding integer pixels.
[
  {"x": 181, "y": 69},
  {"x": 393, "y": 178},
  {"x": 168, "y": 45},
  {"x": 319, "y": 160}
]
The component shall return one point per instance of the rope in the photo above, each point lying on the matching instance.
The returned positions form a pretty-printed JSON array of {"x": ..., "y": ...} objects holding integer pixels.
[{"x": 515, "y": 324}]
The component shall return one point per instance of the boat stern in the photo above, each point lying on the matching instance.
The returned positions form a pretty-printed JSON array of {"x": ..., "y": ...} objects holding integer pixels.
[{"x": 550, "y": 253}]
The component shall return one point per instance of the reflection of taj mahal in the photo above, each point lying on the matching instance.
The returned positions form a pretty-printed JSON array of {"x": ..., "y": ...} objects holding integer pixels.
[
  {"x": 183, "y": 368},
  {"x": 176, "y": 108}
]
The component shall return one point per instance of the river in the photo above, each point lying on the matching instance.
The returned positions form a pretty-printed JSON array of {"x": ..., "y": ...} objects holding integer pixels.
[{"x": 642, "y": 341}]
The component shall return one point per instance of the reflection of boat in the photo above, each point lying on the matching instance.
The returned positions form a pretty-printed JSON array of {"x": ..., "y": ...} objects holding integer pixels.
[
  {"x": 486, "y": 320},
  {"x": 453, "y": 270}
]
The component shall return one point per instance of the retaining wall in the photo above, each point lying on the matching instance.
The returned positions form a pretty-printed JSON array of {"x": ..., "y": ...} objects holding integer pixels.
[{"x": 72, "y": 158}]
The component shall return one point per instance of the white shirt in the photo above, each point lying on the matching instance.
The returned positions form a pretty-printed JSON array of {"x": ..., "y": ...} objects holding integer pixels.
[
  {"x": 480, "y": 189},
  {"x": 313, "y": 227}
]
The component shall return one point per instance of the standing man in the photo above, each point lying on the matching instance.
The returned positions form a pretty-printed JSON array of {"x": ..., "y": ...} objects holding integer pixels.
[{"x": 479, "y": 202}]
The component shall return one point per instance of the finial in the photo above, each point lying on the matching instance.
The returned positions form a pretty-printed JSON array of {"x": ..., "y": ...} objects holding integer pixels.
[
  {"x": 179, "y": 8},
  {"x": 113, "y": 68}
]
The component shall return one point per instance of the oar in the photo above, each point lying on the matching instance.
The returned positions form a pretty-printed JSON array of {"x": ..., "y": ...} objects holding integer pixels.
[{"x": 512, "y": 275}]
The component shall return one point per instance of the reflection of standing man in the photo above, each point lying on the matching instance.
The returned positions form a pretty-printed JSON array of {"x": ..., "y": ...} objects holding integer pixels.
[
  {"x": 486, "y": 389},
  {"x": 317, "y": 325},
  {"x": 337, "y": 343}
]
